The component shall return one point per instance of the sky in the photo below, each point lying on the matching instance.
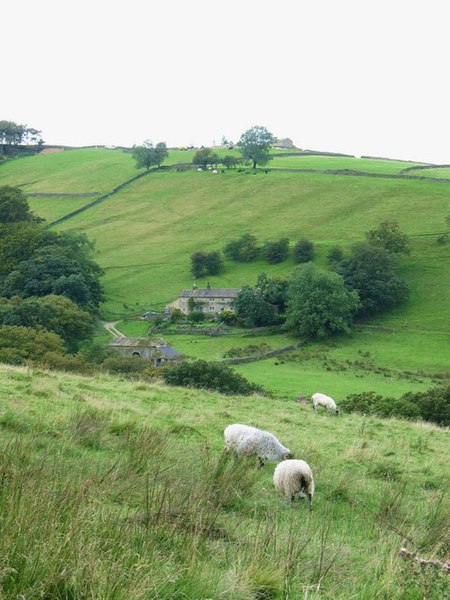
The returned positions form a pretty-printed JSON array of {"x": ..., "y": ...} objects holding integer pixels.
[{"x": 352, "y": 76}]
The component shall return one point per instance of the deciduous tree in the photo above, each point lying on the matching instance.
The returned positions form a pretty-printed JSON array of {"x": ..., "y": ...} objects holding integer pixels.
[
  {"x": 255, "y": 143},
  {"x": 319, "y": 304}
]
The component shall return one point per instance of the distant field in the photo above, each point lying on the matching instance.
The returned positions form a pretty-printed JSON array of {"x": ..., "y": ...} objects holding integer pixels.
[
  {"x": 69, "y": 171},
  {"x": 337, "y": 162},
  {"x": 443, "y": 173},
  {"x": 51, "y": 209}
]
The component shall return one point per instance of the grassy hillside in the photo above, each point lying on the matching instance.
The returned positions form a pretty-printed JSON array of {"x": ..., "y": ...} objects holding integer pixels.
[
  {"x": 146, "y": 233},
  {"x": 119, "y": 490}
]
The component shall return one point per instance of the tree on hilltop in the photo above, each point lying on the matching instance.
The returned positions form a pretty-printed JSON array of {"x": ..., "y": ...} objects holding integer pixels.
[
  {"x": 255, "y": 143},
  {"x": 204, "y": 157},
  {"x": 148, "y": 155}
]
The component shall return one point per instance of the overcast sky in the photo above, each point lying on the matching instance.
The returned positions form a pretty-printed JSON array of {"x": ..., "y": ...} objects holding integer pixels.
[{"x": 340, "y": 75}]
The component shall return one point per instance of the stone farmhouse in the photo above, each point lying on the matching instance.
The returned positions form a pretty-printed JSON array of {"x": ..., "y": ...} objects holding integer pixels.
[
  {"x": 208, "y": 300},
  {"x": 158, "y": 352},
  {"x": 284, "y": 143}
]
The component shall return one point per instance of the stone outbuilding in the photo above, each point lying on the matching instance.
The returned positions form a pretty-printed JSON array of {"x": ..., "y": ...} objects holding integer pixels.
[{"x": 156, "y": 351}]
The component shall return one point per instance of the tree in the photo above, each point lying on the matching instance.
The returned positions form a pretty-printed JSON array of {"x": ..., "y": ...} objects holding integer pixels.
[
  {"x": 319, "y": 305},
  {"x": 53, "y": 313},
  {"x": 303, "y": 251},
  {"x": 274, "y": 291},
  {"x": 230, "y": 162},
  {"x": 388, "y": 236},
  {"x": 147, "y": 155},
  {"x": 13, "y": 135},
  {"x": 204, "y": 157},
  {"x": 252, "y": 309},
  {"x": 372, "y": 272},
  {"x": 276, "y": 252},
  {"x": 206, "y": 263},
  {"x": 14, "y": 206},
  {"x": 20, "y": 344},
  {"x": 63, "y": 268},
  {"x": 255, "y": 144},
  {"x": 244, "y": 249}
]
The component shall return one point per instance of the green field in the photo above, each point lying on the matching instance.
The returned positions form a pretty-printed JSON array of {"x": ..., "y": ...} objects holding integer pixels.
[
  {"x": 119, "y": 490},
  {"x": 146, "y": 233},
  {"x": 441, "y": 172},
  {"x": 366, "y": 165}
]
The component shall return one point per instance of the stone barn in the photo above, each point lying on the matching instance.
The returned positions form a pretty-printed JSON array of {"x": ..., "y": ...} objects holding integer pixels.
[{"x": 157, "y": 352}]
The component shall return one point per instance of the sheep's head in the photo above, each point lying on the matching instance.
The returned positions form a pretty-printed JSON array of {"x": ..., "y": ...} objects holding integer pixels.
[
  {"x": 336, "y": 411},
  {"x": 287, "y": 455}
]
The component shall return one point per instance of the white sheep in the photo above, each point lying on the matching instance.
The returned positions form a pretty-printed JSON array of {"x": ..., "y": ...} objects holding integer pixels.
[
  {"x": 234, "y": 434},
  {"x": 250, "y": 441},
  {"x": 319, "y": 399},
  {"x": 294, "y": 477}
]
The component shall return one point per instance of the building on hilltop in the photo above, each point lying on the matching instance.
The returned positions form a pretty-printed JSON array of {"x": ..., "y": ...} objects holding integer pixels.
[
  {"x": 207, "y": 300},
  {"x": 158, "y": 352},
  {"x": 284, "y": 143}
]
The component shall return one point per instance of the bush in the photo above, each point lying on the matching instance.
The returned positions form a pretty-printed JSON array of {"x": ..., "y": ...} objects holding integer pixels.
[
  {"x": 434, "y": 404},
  {"x": 125, "y": 365},
  {"x": 227, "y": 317},
  {"x": 244, "y": 249},
  {"x": 335, "y": 255},
  {"x": 303, "y": 251},
  {"x": 206, "y": 263},
  {"x": 276, "y": 252},
  {"x": 209, "y": 375},
  {"x": 197, "y": 316}
]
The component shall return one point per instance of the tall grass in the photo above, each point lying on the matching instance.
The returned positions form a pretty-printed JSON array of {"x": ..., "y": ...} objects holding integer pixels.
[{"x": 127, "y": 495}]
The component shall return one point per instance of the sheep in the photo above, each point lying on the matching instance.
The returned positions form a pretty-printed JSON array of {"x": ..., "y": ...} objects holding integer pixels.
[
  {"x": 234, "y": 434},
  {"x": 294, "y": 477},
  {"x": 250, "y": 441},
  {"x": 325, "y": 401}
]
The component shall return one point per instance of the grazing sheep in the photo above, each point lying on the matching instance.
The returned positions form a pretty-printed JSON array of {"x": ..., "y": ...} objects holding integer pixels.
[
  {"x": 294, "y": 477},
  {"x": 325, "y": 401},
  {"x": 250, "y": 441},
  {"x": 234, "y": 434}
]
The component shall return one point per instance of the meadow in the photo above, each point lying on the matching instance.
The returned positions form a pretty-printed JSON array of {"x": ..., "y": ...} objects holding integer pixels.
[{"x": 119, "y": 490}]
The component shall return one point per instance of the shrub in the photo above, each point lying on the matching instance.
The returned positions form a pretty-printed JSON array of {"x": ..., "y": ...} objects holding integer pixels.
[
  {"x": 197, "y": 316},
  {"x": 244, "y": 249},
  {"x": 227, "y": 317},
  {"x": 276, "y": 252},
  {"x": 434, "y": 404},
  {"x": 303, "y": 251},
  {"x": 335, "y": 255},
  {"x": 209, "y": 375},
  {"x": 130, "y": 366},
  {"x": 206, "y": 263}
]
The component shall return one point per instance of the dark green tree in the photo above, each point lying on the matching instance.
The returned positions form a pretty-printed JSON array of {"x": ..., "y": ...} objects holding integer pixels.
[
  {"x": 58, "y": 269},
  {"x": 276, "y": 252},
  {"x": 230, "y": 162},
  {"x": 319, "y": 304},
  {"x": 372, "y": 272},
  {"x": 254, "y": 144},
  {"x": 388, "y": 236},
  {"x": 54, "y": 313},
  {"x": 335, "y": 255},
  {"x": 206, "y": 263},
  {"x": 252, "y": 309},
  {"x": 204, "y": 157},
  {"x": 244, "y": 249},
  {"x": 303, "y": 251},
  {"x": 273, "y": 290},
  {"x": 14, "y": 206},
  {"x": 148, "y": 155}
]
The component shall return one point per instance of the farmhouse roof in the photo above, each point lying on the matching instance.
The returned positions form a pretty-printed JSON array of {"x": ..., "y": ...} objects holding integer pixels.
[{"x": 211, "y": 293}]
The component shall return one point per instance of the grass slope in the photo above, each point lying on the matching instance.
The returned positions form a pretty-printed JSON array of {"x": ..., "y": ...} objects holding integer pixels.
[
  {"x": 164, "y": 218},
  {"x": 118, "y": 490}
]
